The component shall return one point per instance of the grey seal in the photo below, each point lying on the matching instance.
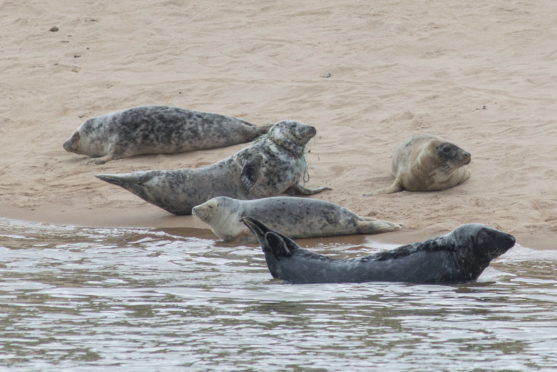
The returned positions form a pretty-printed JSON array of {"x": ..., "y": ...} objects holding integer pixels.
[
  {"x": 457, "y": 257},
  {"x": 428, "y": 163},
  {"x": 272, "y": 165},
  {"x": 157, "y": 130},
  {"x": 295, "y": 217}
]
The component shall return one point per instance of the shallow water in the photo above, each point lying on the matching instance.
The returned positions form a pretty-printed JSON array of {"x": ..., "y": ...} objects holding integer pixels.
[{"x": 145, "y": 300}]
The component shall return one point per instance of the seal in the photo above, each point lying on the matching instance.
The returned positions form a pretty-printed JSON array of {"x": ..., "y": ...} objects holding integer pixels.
[
  {"x": 157, "y": 130},
  {"x": 295, "y": 217},
  {"x": 427, "y": 163},
  {"x": 457, "y": 257},
  {"x": 272, "y": 165}
]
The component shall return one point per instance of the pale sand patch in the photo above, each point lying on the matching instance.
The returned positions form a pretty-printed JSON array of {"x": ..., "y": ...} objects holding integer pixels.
[{"x": 367, "y": 74}]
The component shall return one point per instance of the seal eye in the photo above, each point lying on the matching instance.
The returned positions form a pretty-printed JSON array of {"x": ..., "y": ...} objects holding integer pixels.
[{"x": 446, "y": 149}]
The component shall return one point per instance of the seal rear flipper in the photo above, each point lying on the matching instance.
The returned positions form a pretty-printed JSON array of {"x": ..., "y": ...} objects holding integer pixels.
[
  {"x": 372, "y": 226},
  {"x": 262, "y": 129},
  {"x": 271, "y": 241},
  {"x": 127, "y": 181}
]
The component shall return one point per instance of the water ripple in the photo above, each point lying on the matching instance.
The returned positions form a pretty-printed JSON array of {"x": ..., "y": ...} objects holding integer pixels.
[{"x": 96, "y": 299}]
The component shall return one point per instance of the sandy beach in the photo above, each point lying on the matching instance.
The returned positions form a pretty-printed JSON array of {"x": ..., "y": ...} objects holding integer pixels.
[{"x": 366, "y": 74}]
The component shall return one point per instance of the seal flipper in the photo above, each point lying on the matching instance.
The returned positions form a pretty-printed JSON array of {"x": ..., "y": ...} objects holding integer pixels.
[
  {"x": 262, "y": 129},
  {"x": 372, "y": 226},
  {"x": 130, "y": 181},
  {"x": 117, "y": 179},
  {"x": 274, "y": 245},
  {"x": 301, "y": 190},
  {"x": 250, "y": 171},
  {"x": 395, "y": 187}
]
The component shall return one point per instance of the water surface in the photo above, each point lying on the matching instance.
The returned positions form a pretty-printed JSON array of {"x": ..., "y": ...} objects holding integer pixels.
[{"x": 145, "y": 300}]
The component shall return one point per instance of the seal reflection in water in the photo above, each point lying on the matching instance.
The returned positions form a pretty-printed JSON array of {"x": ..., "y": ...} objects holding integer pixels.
[
  {"x": 295, "y": 217},
  {"x": 460, "y": 256},
  {"x": 272, "y": 165},
  {"x": 157, "y": 130},
  {"x": 427, "y": 163}
]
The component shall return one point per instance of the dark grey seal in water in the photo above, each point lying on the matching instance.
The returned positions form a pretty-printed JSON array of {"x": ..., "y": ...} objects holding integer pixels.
[
  {"x": 157, "y": 130},
  {"x": 272, "y": 165},
  {"x": 457, "y": 257},
  {"x": 295, "y": 217}
]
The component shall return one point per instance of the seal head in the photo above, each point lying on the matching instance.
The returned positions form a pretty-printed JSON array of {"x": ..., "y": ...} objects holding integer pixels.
[{"x": 452, "y": 155}]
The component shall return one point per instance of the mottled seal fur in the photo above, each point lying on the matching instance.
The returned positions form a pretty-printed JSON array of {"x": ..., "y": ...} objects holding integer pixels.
[
  {"x": 428, "y": 163},
  {"x": 272, "y": 165},
  {"x": 457, "y": 257},
  {"x": 157, "y": 130},
  {"x": 294, "y": 217}
]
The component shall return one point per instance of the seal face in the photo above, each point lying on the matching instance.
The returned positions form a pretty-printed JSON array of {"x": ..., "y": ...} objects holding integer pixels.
[
  {"x": 272, "y": 165},
  {"x": 460, "y": 256},
  {"x": 294, "y": 217},
  {"x": 428, "y": 163},
  {"x": 157, "y": 130}
]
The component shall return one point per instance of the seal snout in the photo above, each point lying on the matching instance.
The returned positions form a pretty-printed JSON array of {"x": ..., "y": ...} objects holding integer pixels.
[
  {"x": 467, "y": 158},
  {"x": 71, "y": 143},
  {"x": 508, "y": 241}
]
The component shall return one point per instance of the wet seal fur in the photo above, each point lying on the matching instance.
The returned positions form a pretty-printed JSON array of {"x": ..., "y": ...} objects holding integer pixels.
[
  {"x": 157, "y": 130},
  {"x": 295, "y": 217},
  {"x": 272, "y": 165},
  {"x": 457, "y": 257},
  {"x": 427, "y": 163}
]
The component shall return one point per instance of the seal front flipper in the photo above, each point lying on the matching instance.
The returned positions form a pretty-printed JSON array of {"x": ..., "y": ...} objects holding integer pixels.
[
  {"x": 301, "y": 190},
  {"x": 250, "y": 172},
  {"x": 395, "y": 187}
]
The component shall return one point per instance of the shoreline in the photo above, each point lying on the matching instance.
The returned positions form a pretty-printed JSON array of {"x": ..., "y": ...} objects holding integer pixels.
[{"x": 188, "y": 226}]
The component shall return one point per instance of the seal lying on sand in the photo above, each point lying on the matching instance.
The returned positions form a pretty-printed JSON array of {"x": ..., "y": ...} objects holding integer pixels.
[
  {"x": 428, "y": 163},
  {"x": 272, "y": 165},
  {"x": 460, "y": 256},
  {"x": 157, "y": 130},
  {"x": 295, "y": 217}
]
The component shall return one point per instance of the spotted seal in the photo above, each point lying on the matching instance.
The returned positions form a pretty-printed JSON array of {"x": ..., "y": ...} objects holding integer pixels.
[
  {"x": 272, "y": 165},
  {"x": 428, "y": 163},
  {"x": 295, "y": 217},
  {"x": 457, "y": 257},
  {"x": 157, "y": 130}
]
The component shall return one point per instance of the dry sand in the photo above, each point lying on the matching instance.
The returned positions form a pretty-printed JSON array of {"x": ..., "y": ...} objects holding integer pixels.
[{"x": 366, "y": 74}]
